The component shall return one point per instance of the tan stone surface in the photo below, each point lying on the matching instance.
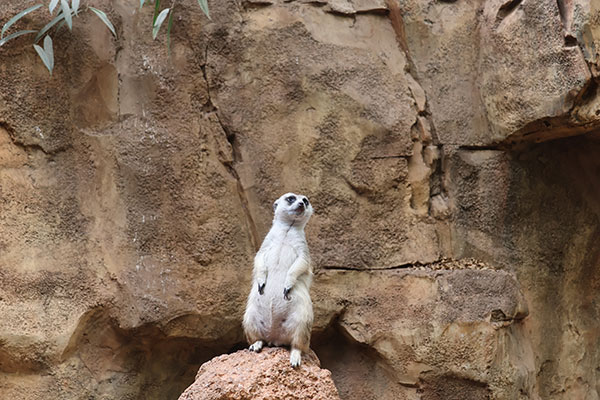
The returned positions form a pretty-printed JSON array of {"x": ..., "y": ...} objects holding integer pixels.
[
  {"x": 547, "y": 232},
  {"x": 135, "y": 187},
  {"x": 524, "y": 70},
  {"x": 321, "y": 122},
  {"x": 265, "y": 375},
  {"x": 448, "y": 329}
]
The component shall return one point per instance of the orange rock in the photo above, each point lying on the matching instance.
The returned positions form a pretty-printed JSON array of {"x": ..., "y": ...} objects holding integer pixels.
[{"x": 265, "y": 375}]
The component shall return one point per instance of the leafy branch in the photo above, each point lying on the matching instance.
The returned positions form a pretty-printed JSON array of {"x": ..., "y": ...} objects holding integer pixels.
[
  {"x": 160, "y": 16},
  {"x": 71, "y": 9},
  {"x": 65, "y": 14}
]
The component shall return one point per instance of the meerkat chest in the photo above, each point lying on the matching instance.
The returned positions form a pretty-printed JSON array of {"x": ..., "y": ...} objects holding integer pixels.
[{"x": 281, "y": 256}]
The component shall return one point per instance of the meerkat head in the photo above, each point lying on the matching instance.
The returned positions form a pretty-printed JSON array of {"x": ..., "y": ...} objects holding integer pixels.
[{"x": 292, "y": 208}]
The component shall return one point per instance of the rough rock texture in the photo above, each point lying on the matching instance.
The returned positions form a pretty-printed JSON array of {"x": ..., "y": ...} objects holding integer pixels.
[
  {"x": 245, "y": 375},
  {"x": 135, "y": 188},
  {"x": 445, "y": 330}
]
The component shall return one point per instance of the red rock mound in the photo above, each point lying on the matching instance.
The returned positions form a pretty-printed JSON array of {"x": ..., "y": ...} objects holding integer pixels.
[{"x": 266, "y": 375}]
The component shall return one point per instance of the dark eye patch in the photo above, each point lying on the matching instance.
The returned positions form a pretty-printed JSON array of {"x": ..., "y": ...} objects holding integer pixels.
[
  {"x": 305, "y": 201},
  {"x": 291, "y": 199}
]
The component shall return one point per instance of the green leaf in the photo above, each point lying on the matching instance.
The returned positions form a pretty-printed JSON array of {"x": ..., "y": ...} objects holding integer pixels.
[
  {"x": 52, "y": 6},
  {"x": 49, "y": 26},
  {"x": 169, "y": 26},
  {"x": 14, "y": 35},
  {"x": 16, "y": 18},
  {"x": 102, "y": 15},
  {"x": 67, "y": 12},
  {"x": 159, "y": 20},
  {"x": 156, "y": 8},
  {"x": 49, "y": 51},
  {"x": 59, "y": 27},
  {"x": 44, "y": 57},
  {"x": 204, "y": 6},
  {"x": 75, "y": 6}
]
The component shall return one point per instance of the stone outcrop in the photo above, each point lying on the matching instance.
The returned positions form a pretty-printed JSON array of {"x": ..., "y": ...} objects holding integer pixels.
[
  {"x": 135, "y": 187},
  {"x": 245, "y": 375},
  {"x": 449, "y": 328}
]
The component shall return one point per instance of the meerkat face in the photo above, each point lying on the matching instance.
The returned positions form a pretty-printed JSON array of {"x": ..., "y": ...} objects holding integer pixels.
[{"x": 293, "y": 207}]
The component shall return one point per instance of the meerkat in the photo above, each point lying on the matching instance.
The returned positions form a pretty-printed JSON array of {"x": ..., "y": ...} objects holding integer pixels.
[{"x": 279, "y": 310}]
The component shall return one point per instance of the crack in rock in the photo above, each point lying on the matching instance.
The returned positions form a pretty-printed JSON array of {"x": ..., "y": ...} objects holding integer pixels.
[
  {"x": 235, "y": 158},
  {"x": 440, "y": 264},
  {"x": 506, "y": 9}
]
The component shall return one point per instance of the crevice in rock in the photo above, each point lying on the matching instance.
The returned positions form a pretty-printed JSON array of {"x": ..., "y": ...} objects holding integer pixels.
[
  {"x": 354, "y": 13},
  {"x": 571, "y": 123},
  {"x": 499, "y": 316},
  {"x": 209, "y": 105},
  {"x": 490, "y": 147},
  {"x": 240, "y": 188},
  {"x": 397, "y": 20},
  {"x": 588, "y": 93},
  {"x": 563, "y": 12},
  {"x": 437, "y": 265},
  {"x": 418, "y": 179},
  {"x": 236, "y": 157},
  {"x": 424, "y": 168},
  {"x": 373, "y": 11},
  {"x": 570, "y": 40},
  {"x": 318, "y": 3},
  {"x": 256, "y": 4},
  {"x": 425, "y": 164},
  {"x": 402, "y": 156},
  {"x": 549, "y": 129},
  {"x": 343, "y": 268},
  {"x": 437, "y": 186},
  {"x": 358, "y": 189},
  {"x": 506, "y": 9},
  {"x": 342, "y": 13}
]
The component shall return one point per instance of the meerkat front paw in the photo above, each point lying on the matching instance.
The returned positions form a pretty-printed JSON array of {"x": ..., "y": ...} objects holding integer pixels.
[
  {"x": 295, "y": 358},
  {"x": 256, "y": 346},
  {"x": 286, "y": 293},
  {"x": 261, "y": 288}
]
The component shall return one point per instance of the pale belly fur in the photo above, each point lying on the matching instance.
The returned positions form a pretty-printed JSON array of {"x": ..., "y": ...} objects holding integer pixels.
[{"x": 276, "y": 317}]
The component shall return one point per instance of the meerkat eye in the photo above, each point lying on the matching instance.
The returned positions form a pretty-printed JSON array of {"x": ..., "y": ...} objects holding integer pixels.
[
  {"x": 305, "y": 201},
  {"x": 291, "y": 199}
]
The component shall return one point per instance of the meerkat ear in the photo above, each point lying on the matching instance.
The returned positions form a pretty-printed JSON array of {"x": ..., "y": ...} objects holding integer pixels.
[{"x": 274, "y": 206}]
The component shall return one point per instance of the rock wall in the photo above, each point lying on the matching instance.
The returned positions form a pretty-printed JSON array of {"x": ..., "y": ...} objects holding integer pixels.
[{"x": 449, "y": 149}]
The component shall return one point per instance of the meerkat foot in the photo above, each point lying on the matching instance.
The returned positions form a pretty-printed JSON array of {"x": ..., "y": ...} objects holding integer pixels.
[
  {"x": 257, "y": 346},
  {"x": 295, "y": 357}
]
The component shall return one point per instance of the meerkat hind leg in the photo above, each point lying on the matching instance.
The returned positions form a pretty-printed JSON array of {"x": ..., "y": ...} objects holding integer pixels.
[
  {"x": 257, "y": 346},
  {"x": 295, "y": 357}
]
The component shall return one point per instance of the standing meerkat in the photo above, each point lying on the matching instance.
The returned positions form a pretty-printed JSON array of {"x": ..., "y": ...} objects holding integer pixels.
[{"x": 279, "y": 310}]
